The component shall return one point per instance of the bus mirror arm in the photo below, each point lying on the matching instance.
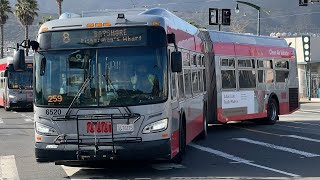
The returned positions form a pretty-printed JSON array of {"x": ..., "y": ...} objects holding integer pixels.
[
  {"x": 6, "y": 73},
  {"x": 172, "y": 40}
]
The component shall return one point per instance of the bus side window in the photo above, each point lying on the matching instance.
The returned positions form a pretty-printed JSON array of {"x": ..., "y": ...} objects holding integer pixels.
[
  {"x": 173, "y": 81},
  {"x": 181, "y": 86}
]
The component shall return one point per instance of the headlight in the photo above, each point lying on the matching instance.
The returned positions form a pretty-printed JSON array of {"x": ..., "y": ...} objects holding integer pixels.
[
  {"x": 12, "y": 96},
  {"x": 46, "y": 130},
  {"x": 156, "y": 126}
]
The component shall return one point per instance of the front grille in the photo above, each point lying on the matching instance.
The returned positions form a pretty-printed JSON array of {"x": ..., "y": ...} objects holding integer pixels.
[{"x": 293, "y": 99}]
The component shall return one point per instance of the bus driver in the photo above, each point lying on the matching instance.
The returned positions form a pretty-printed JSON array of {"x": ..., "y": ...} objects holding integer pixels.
[{"x": 145, "y": 81}]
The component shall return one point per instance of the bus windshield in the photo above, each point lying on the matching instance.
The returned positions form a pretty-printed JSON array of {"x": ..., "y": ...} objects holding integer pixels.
[
  {"x": 20, "y": 79},
  {"x": 125, "y": 76}
]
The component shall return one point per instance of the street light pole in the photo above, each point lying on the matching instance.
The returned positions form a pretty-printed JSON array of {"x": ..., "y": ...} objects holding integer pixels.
[{"x": 257, "y": 8}]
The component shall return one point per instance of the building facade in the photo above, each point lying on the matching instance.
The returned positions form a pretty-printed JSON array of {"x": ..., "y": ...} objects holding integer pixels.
[{"x": 307, "y": 89}]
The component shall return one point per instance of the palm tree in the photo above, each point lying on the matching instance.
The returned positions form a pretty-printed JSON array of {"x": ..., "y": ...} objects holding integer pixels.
[
  {"x": 4, "y": 10},
  {"x": 44, "y": 20},
  {"x": 25, "y": 11},
  {"x": 59, "y": 2}
]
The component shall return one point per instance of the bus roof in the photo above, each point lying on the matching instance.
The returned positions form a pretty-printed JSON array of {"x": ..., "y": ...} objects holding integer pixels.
[
  {"x": 228, "y": 37},
  {"x": 162, "y": 16}
]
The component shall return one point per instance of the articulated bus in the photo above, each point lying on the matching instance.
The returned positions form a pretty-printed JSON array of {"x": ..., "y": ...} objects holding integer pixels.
[
  {"x": 144, "y": 86},
  {"x": 16, "y": 90},
  {"x": 255, "y": 77}
]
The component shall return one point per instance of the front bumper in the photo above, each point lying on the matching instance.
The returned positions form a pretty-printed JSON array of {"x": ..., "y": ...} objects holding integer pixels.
[
  {"x": 21, "y": 104},
  {"x": 151, "y": 150}
]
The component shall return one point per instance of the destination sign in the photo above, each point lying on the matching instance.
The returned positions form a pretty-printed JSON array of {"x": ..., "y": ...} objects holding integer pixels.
[
  {"x": 114, "y": 36},
  {"x": 106, "y": 37}
]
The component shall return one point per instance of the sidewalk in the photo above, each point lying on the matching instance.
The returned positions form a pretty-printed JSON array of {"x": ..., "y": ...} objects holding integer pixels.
[{"x": 306, "y": 100}]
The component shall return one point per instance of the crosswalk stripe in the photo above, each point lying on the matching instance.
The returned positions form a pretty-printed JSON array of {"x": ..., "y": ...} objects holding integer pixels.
[
  {"x": 28, "y": 120},
  {"x": 240, "y": 160},
  {"x": 8, "y": 168},
  {"x": 294, "y": 151}
]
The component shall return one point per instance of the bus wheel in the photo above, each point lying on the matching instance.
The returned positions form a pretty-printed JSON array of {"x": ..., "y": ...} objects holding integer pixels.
[
  {"x": 182, "y": 143},
  {"x": 204, "y": 133},
  {"x": 6, "y": 106},
  {"x": 273, "y": 114}
]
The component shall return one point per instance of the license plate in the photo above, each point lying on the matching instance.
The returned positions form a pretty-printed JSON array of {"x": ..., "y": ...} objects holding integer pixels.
[
  {"x": 100, "y": 127},
  {"x": 125, "y": 127}
]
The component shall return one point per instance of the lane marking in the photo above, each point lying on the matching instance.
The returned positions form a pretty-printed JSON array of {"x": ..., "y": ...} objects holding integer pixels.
[
  {"x": 302, "y": 138},
  {"x": 1, "y": 121},
  {"x": 28, "y": 120},
  {"x": 253, "y": 130},
  {"x": 167, "y": 166},
  {"x": 305, "y": 123},
  {"x": 294, "y": 151},
  {"x": 238, "y": 159},
  {"x": 70, "y": 171},
  {"x": 296, "y": 127},
  {"x": 8, "y": 168}
]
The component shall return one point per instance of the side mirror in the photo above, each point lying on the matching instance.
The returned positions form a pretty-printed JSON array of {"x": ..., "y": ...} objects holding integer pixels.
[
  {"x": 6, "y": 73},
  {"x": 10, "y": 68},
  {"x": 34, "y": 45},
  {"x": 176, "y": 62},
  {"x": 43, "y": 66},
  {"x": 19, "y": 63},
  {"x": 171, "y": 38}
]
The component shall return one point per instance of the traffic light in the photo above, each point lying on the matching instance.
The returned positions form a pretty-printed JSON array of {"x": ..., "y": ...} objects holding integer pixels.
[
  {"x": 303, "y": 2},
  {"x": 213, "y": 16},
  {"x": 226, "y": 17},
  {"x": 306, "y": 48}
]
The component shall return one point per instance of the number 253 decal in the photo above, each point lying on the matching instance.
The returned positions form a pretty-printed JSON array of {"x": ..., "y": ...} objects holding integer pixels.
[{"x": 55, "y": 98}]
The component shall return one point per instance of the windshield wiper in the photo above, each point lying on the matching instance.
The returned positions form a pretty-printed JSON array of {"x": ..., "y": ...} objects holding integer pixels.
[{"x": 83, "y": 86}]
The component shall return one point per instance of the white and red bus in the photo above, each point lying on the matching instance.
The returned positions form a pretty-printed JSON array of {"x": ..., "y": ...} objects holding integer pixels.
[
  {"x": 16, "y": 90},
  {"x": 107, "y": 87},
  {"x": 252, "y": 77},
  {"x": 144, "y": 86}
]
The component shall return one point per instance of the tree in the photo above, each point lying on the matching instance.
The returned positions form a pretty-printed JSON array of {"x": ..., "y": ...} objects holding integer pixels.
[
  {"x": 59, "y": 2},
  {"x": 4, "y": 10},
  {"x": 45, "y": 19},
  {"x": 196, "y": 25},
  {"x": 25, "y": 11}
]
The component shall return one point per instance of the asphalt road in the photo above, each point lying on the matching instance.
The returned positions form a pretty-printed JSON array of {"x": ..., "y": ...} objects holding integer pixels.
[{"x": 290, "y": 149}]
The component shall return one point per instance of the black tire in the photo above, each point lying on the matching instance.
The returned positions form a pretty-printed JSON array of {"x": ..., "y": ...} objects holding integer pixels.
[
  {"x": 273, "y": 113},
  {"x": 204, "y": 133},
  {"x": 6, "y": 108},
  {"x": 182, "y": 143}
]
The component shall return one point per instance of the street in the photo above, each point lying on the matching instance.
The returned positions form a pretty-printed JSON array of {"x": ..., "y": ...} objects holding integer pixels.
[{"x": 289, "y": 149}]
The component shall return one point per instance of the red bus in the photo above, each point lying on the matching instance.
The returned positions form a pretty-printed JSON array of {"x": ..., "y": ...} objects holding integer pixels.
[
  {"x": 16, "y": 90},
  {"x": 250, "y": 77}
]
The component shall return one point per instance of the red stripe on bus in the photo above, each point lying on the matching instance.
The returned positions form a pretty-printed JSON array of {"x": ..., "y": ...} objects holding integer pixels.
[
  {"x": 1, "y": 101},
  {"x": 174, "y": 143},
  {"x": 284, "y": 108},
  {"x": 3, "y": 67},
  {"x": 252, "y": 50},
  {"x": 225, "y": 119},
  {"x": 194, "y": 128}
]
